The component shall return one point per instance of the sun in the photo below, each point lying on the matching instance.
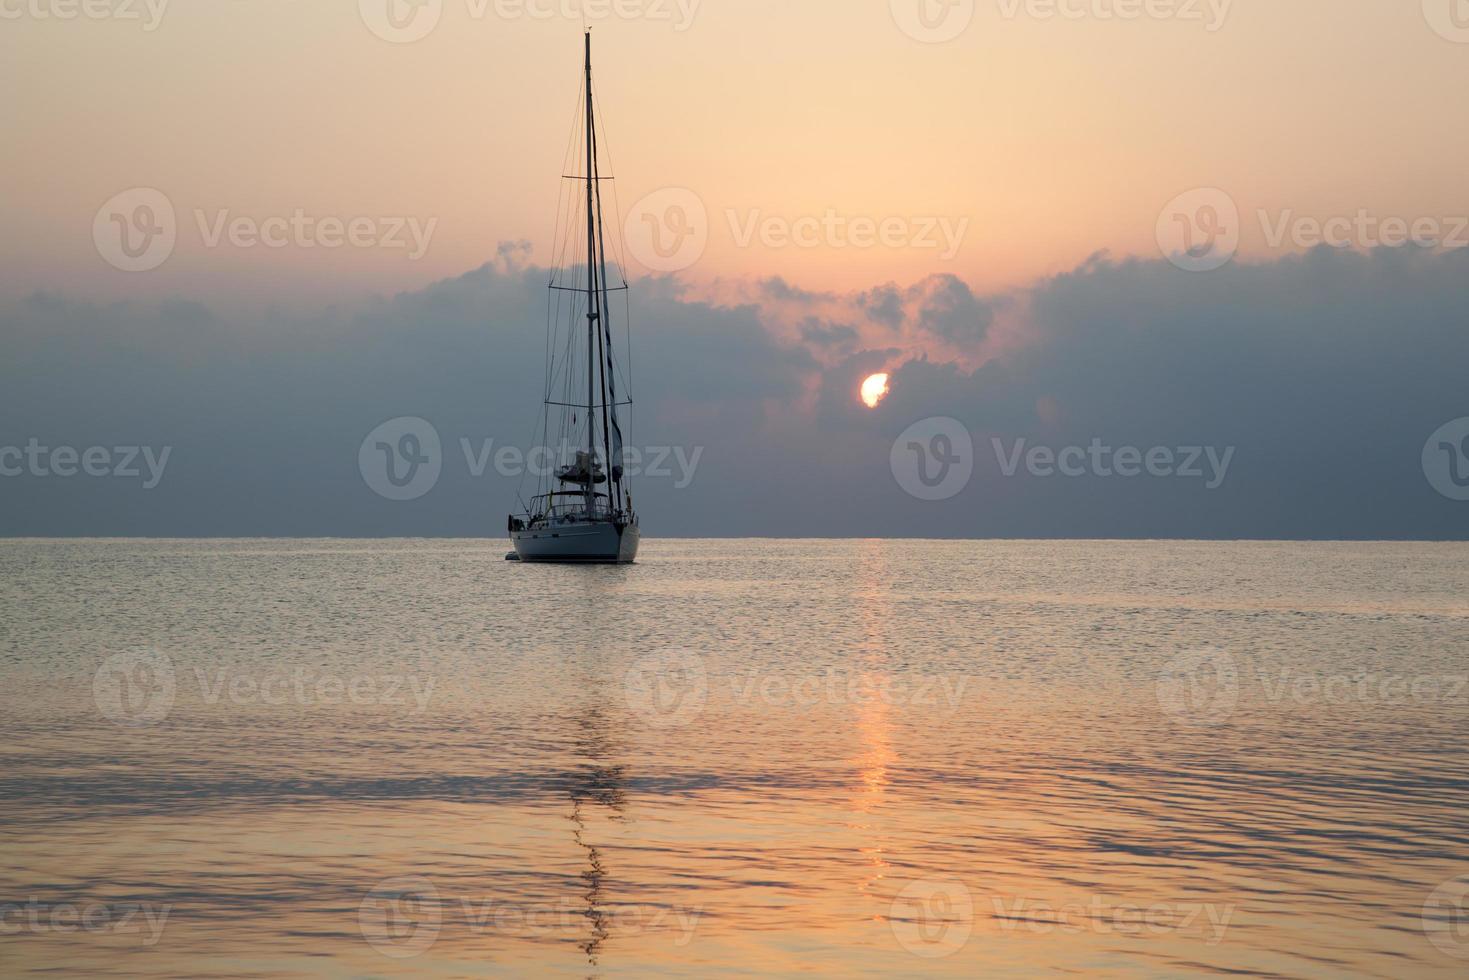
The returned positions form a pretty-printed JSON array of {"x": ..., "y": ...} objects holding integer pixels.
[{"x": 874, "y": 390}]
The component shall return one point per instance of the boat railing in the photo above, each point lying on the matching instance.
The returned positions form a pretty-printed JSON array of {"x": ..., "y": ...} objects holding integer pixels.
[{"x": 566, "y": 507}]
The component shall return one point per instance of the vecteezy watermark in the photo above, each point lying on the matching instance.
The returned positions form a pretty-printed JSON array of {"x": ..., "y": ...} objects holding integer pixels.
[
  {"x": 1211, "y": 13},
  {"x": 678, "y": 13},
  {"x": 301, "y": 230},
  {"x": 1448, "y": 18},
  {"x": 1445, "y": 918},
  {"x": 138, "y": 688},
  {"x": 135, "y": 688},
  {"x": 1199, "y": 230},
  {"x": 117, "y": 462},
  {"x": 932, "y": 21},
  {"x": 835, "y": 230},
  {"x": 403, "y": 458},
  {"x": 1097, "y": 459},
  {"x": 135, "y": 230},
  {"x": 933, "y": 459},
  {"x": 406, "y": 21},
  {"x": 401, "y": 21},
  {"x": 145, "y": 919},
  {"x": 667, "y": 230},
  {"x": 403, "y": 917},
  {"x": 1200, "y": 686},
  {"x": 834, "y": 687},
  {"x": 1206, "y": 686},
  {"x": 677, "y": 463},
  {"x": 309, "y": 687},
  {"x": 138, "y": 229},
  {"x": 1363, "y": 230},
  {"x": 932, "y": 919},
  {"x": 148, "y": 13},
  {"x": 668, "y": 689},
  {"x": 1284, "y": 684},
  {"x": 1446, "y": 459},
  {"x": 1103, "y": 916}
]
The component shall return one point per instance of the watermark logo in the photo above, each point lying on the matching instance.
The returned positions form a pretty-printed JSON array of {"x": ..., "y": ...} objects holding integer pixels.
[
  {"x": 404, "y": 917},
  {"x": 1102, "y": 916},
  {"x": 401, "y": 459},
  {"x": 119, "y": 462},
  {"x": 1446, "y": 917},
  {"x": 147, "y": 12},
  {"x": 933, "y": 459},
  {"x": 1205, "y": 463},
  {"x": 932, "y": 919},
  {"x": 835, "y": 230},
  {"x": 1446, "y": 459},
  {"x": 35, "y": 917},
  {"x": 301, "y": 230},
  {"x": 136, "y": 230},
  {"x": 680, "y": 13},
  {"x": 142, "y": 688},
  {"x": 1284, "y": 684},
  {"x": 308, "y": 687},
  {"x": 667, "y": 689},
  {"x": 1199, "y": 686},
  {"x": 1448, "y": 18},
  {"x": 836, "y": 687},
  {"x": 932, "y": 21},
  {"x": 1206, "y": 686},
  {"x": 401, "y": 21},
  {"x": 135, "y": 688},
  {"x": 1211, "y": 13},
  {"x": 1363, "y": 230},
  {"x": 1199, "y": 230},
  {"x": 406, "y": 21},
  {"x": 667, "y": 230},
  {"x": 677, "y": 463},
  {"x": 401, "y": 917}
]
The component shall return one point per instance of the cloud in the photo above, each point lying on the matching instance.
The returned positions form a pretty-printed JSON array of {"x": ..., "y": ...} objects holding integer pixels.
[
  {"x": 837, "y": 335},
  {"x": 1325, "y": 372},
  {"x": 939, "y": 314},
  {"x": 883, "y": 305},
  {"x": 777, "y": 288},
  {"x": 947, "y": 309}
]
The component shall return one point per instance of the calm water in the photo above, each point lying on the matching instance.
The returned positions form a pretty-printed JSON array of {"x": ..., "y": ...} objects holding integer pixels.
[{"x": 260, "y": 758}]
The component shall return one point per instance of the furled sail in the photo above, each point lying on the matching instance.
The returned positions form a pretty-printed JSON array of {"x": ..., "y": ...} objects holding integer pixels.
[{"x": 616, "y": 429}]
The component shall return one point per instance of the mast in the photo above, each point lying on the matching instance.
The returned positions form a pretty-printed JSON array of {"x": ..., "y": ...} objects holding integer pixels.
[
  {"x": 592, "y": 292},
  {"x": 604, "y": 341}
]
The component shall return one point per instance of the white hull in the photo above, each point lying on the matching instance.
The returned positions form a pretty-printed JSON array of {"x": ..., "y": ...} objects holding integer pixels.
[{"x": 591, "y": 542}]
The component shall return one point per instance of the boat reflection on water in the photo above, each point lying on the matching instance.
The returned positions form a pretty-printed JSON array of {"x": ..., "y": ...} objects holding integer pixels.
[
  {"x": 965, "y": 759},
  {"x": 874, "y": 728},
  {"x": 597, "y": 784}
]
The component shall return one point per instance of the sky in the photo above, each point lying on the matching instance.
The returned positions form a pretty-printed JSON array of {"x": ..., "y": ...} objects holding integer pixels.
[{"x": 1231, "y": 234}]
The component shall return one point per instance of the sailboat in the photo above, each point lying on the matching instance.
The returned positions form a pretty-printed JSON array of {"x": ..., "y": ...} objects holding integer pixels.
[{"x": 583, "y": 511}]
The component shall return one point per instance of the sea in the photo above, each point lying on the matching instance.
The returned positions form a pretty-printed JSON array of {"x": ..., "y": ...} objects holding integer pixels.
[{"x": 301, "y": 758}]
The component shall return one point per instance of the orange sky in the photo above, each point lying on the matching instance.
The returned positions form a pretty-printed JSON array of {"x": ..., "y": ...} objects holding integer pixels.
[{"x": 1042, "y": 139}]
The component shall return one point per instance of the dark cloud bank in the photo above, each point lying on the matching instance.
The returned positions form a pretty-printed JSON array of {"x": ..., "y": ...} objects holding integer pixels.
[{"x": 1325, "y": 372}]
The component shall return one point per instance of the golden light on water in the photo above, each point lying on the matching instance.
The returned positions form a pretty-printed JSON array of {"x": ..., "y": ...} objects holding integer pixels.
[{"x": 874, "y": 390}]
